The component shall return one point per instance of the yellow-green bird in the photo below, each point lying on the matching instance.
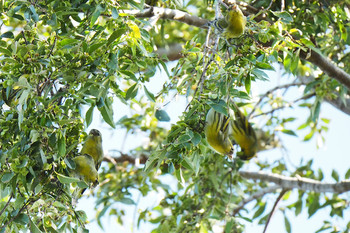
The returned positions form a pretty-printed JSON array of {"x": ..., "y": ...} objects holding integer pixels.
[
  {"x": 217, "y": 132},
  {"x": 85, "y": 169},
  {"x": 243, "y": 134},
  {"x": 233, "y": 25},
  {"x": 93, "y": 147}
]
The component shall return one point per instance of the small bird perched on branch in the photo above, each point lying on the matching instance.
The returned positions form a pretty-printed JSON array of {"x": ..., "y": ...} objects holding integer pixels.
[
  {"x": 93, "y": 147},
  {"x": 222, "y": 132},
  {"x": 90, "y": 159},
  {"x": 232, "y": 25},
  {"x": 85, "y": 169},
  {"x": 217, "y": 131},
  {"x": 244, "y": 135}
]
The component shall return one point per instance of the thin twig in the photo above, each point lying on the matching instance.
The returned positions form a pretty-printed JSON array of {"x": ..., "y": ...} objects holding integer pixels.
[
  {"x": 283, "y": 5},
  {"x": 53, "y": 46},
  {"x": 268, "y": 8},
  {"x": 287, "y": 105},
  {"x": 285, "y": 86},
  {"x": 254, "y": 196},
  {"x": 274, "y": 208},
  {"x": 7, "y": 203},
  {"x": 24, "y": 37}
]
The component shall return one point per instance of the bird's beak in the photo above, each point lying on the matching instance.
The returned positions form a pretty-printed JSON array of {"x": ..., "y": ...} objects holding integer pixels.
[{"x": 95, "y": 183}]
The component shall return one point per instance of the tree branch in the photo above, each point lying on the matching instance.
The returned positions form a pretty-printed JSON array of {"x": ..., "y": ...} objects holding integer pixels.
[
  {"x": 327, "y": 66},
  {"x": 126, "y": 158},
  {"x": 166, "y": 13},
  {"x": 300, "y": 183},
  {"x": 340, "y": 102},
  {"x": 254, "y": 196}
]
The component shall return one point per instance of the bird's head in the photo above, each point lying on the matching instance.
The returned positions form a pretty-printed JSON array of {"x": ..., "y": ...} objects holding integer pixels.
[
  {"x": 96, "y": 135},
  {"x": 246, "y": 154},
  {"x": 234, "y": 7},
  {"x": 95, "y": 132}
]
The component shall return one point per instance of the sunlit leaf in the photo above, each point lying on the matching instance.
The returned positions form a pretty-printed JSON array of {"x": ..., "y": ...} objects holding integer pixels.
[
  {"x": 149, "y": 95},
  {"x": 162, "y": 115}
]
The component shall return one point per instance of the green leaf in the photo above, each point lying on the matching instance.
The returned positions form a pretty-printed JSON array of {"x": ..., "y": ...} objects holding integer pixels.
[
  {"x": 229, "y": 226},
  {"x": 149, "y": 94},
  {"x": 309, "y": 135},
  {"x": 42, "y": 156},
  {"x": 22, "y": 219},
  {"x": 284, "y": 16},
  {"x": 82, "y": 185},
  {"x": 19, "y": 202},
  {"x": 316, "y": 110},
  {"x": 113, "y": 61},
  {"x": 115, "y": 13},
  {"x": 67, "y": 179},
  {"x": 35, "y": 16},
  {"x": 151, "y": 163},
  {"x": 135, "y": 4},
  {"x": 259, "y": 74},
  {"x": 68, "y": 41},
  {"x": 289, "y": 132},
  {"x": 287, "y": 225},
  {"x": 314, "y": 206},
  {"x": 162, "y": 115},
  {"x": 23, "y": 163},
  {"x": 311, "y": 86},
  {"x": 295, "y": 61},
  {"x": 260, "y": 210},
  {"x": 179, "y": 176},
  {"x": 5, "y": 51},
  {"x": 107, "y": 114},
  {"x": 264, "y": 66},
  {"x": 116, "y": 34},
  {"x": 95, "y": 15},
  {"x": 127, "y": 201},
  {"x": 347, "y": 174},
  {"x": 8, "y": 34},
  {"x": 298, "y": 207},
  {"x": 7, "y": 177},
  {"x": 34, "y": 228},
  {"x": 196, "y": 139},
  {"x": 165, "y": 67},
  {"x": 61, "y": 144},
  {"x": 343, "y": 31},
  {"x": 186, "y": 163},
  {"x": 34, "y": 135},
  {"x": 103, "y": 211},
  {"x": 183, "y": 138},
  {"x": 220, "y": 107},
  {"x": 94, "y": 47},
  {"x": 326, "y": 120},
  {"x": 335, "y": 175},
  {"x": 128, "y": 74},
  {"x": 131, "y": 92},
  {"x": 89, "y": 115},
  {"x": 247, "y": 84},
  {"x": 100, "y": 102}
]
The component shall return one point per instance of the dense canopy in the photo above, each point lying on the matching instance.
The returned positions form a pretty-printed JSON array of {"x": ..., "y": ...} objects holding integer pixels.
[{"x": 62, "y": 61}]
